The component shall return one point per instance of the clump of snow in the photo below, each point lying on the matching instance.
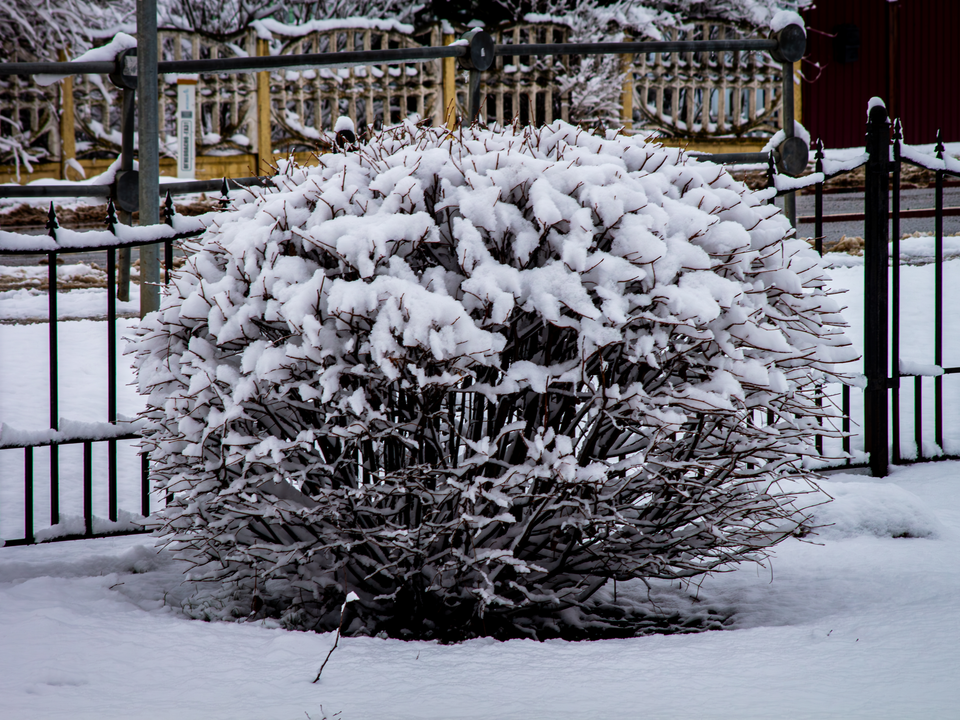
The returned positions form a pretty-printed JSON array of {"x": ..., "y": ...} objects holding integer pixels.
[
  {"x": 71, "y": 525},
  {"x": 473, "y": 376},
  {"x": 105, "y": 53},
  {"x": 783, "y": 18},
  {"x": 779, "y": 136},
  {"x": 873, "y": 508},
  {"x": 344, "y": 123},
  {"x": 268, "y": 28}
]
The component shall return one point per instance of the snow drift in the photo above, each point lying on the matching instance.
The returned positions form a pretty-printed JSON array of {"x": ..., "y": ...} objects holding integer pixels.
[{"x": 474, "y": 376}]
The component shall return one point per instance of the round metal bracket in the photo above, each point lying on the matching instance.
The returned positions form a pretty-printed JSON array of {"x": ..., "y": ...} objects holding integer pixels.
[
  {"x": 792, "y": 156},
  {"x": 481, "y": 55},
  {"x": 125, "y": 70},
  {"x": 127, "y": 190},
  {"x": 792, "y": 44}
]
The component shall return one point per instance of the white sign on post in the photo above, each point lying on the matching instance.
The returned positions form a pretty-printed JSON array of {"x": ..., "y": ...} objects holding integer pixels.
[{"x": 186, "y": 128}]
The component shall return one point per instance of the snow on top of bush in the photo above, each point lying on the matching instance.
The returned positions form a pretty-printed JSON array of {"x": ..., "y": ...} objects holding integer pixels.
[
  {"x": 369, "y": 210},
  {"x": 535, "y": 332}
]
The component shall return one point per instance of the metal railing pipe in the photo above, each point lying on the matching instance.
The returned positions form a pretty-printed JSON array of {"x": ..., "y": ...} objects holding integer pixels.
[
  {"x": 311, "y": 60},
  {"x": 50, "y": 191},
  {"x": 754, "y": 158},
  {"x": 637, "y": 48},
  {"x": 103, "y": 67}
]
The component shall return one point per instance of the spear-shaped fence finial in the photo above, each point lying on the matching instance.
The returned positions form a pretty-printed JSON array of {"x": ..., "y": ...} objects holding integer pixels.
[
  {"x": 224, "y": 195},
  {"x": 169, "y": 210},
  {"x": 111, "y": 220},
  {"x": 52, "y": 223}
]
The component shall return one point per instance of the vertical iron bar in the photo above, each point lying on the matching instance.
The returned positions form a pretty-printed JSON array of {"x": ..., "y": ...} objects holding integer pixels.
[
  {"x": 127, "y": 128},
  {"x": 818, "y": 244},
  {"x": 167, "y": 260},
  {"x": 818, "y": 203},
  {"x": 112, "y": 379},
  {"x": 54, "y": 484},
  {"x": 88, "y": 488},
  {"x": 918, "y": 415},
  {"x": 28, "y": 494},
  {"x": 144, "y": 484},
  {"x": 938, "y": 308},
  {"x": 876, "y": 351},
  {"x": 845, "y": 411},
  {"x": 474, "y": 96},
  {"x": 895, "y": 306},
  {"x": 53, "y": 383},
  {"x": 52, "y": 337}
]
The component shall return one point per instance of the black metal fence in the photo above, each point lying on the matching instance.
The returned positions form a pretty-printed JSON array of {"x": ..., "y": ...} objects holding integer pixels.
[{"x": 475, "y": 52}]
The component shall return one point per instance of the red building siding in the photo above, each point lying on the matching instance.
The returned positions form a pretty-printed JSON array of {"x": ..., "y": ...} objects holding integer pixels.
[{"x": 909, "y": 56}]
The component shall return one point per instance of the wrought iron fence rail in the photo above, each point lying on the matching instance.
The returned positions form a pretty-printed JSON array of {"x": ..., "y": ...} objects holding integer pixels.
[
  {"x": 637, "y": 48},
  {"x": 100, "y": 67},
  {"x": 52, "y": 191}
]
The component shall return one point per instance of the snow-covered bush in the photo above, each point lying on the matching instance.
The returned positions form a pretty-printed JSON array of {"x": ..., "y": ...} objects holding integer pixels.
[{"x": 475, "y": 376}]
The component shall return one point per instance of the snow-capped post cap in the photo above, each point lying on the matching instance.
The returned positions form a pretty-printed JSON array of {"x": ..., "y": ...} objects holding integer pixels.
[
  {"x": 125, "y": 69},
  {"x": 872, "y": 109},
  {"x": 791, "y": 37},
  {"x": 480, "y": 54}
]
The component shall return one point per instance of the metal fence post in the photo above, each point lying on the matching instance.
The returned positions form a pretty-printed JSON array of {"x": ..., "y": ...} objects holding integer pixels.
[
  {"x": 149, "y": 149},
  {"x": 479, "y": 58},
  {"x": 791, "y": 45},
  {"x": 875, "y": 347}
]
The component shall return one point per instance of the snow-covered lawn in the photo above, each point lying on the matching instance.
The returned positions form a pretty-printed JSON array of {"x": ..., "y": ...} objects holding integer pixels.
[
  {"x": 856, "y": 624},
  {"x": 861, "y": 625}
]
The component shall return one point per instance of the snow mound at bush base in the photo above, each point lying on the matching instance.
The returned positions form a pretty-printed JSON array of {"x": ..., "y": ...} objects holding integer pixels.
[
  {"x": 473, "y": 376},
  {"x": 872, "y": 508}
]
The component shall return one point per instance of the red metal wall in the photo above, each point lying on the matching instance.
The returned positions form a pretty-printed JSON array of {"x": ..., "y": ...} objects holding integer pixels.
[{"x": 926, "y": 53}]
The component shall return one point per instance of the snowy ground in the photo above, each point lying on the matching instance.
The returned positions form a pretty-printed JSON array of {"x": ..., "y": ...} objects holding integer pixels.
[{"x": 861, "y": 625}]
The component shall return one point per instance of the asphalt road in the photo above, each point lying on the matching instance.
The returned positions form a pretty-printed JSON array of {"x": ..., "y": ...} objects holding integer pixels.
[{"x": 840, "y": 203}]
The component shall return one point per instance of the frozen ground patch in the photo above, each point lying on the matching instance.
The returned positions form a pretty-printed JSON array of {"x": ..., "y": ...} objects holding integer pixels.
[{"x": 859, "y": 627}]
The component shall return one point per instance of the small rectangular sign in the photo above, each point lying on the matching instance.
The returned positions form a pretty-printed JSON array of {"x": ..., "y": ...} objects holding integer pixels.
[{"x": 186, "y": 129}]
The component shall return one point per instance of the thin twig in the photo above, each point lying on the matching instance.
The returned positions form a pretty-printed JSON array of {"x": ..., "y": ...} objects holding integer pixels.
[{"x": 351, "y": 596}]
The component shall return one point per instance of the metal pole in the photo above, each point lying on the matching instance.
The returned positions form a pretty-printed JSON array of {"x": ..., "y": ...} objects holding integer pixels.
[
  {"x": 895, "y": 276},
  {"x": 790, "y": 199},
  {"x": 938, "y": 302},
  {"x": 149, "y": 150},
  {"x": 876, "y": 349},
  {"x": 474, "y": 95}
]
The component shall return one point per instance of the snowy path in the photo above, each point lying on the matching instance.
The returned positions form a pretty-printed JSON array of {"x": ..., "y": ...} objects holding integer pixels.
[{"x": 860, "y": 627}]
